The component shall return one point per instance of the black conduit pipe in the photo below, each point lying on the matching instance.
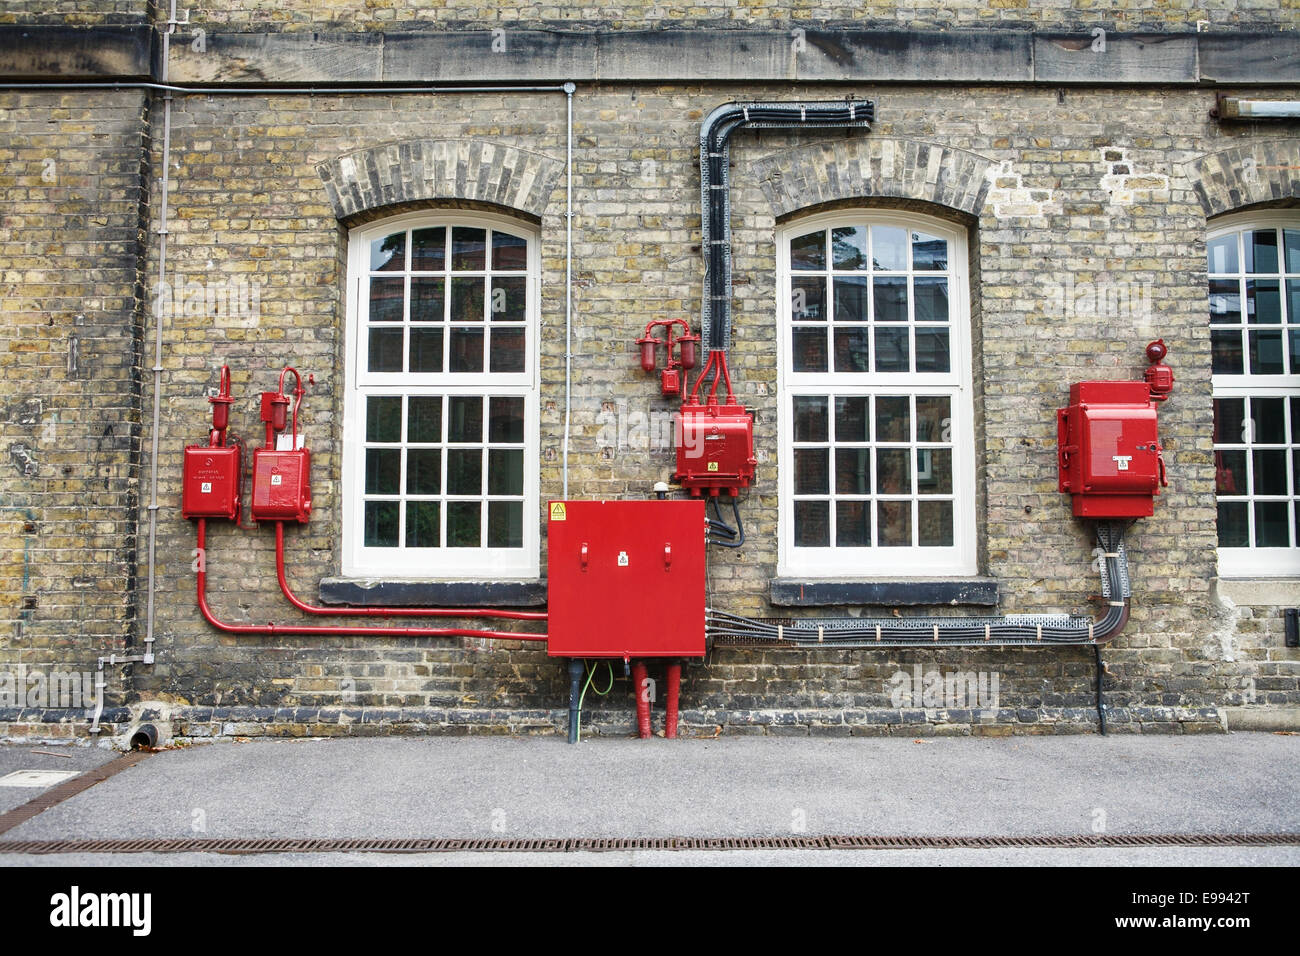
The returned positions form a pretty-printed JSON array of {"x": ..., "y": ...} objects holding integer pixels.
[
  {"x": 575, "y": 679},
  {"x": 715, "y": 189},
  {"x": 1011, "y": 630},
  {"x": 1101, "y": 704}
]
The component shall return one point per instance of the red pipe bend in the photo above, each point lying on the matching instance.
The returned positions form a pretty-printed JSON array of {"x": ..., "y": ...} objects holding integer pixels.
[
  {"x": 385, "y": 611},
  {"x": 308, "y": 630}
]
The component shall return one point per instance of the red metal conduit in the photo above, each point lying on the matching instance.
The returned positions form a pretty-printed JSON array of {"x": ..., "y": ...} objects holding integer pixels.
[
  {"x": 318, "y": 631},
  {"x": 385, "y": 611}
]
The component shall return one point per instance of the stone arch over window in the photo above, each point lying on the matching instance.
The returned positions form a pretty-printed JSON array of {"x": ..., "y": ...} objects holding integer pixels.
[
  {"x": 809, "y": 176},
  {"x": 1260, "y": 171},
  {"x": 421, "y": 170}
]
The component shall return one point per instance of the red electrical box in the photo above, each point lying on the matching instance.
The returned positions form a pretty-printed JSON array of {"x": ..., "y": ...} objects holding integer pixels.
[
  {"x": 625, "y": 579},
  {"x": 1109, "y": 450},
  {"x": 210, "y": 482},
  {"x": 281, "y": 485},
  {"x": 715, "y": 448}
]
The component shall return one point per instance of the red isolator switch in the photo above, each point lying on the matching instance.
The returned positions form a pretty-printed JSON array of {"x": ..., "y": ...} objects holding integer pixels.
[
  {"x": 210, "y": 482},
  {"x": 281, "y": 485}
]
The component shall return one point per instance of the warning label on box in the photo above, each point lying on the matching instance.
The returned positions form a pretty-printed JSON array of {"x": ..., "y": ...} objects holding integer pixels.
[{"x": 557, "y": 511}]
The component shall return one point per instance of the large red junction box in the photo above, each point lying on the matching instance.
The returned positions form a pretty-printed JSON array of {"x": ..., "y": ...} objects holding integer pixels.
[
  {"x": 625, "y": 579},
  {"x": 1109, "y": 450}
]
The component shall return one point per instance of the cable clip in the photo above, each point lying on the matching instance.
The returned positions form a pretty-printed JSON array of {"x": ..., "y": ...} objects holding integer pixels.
[
  {"x": 820, "y": 629},
  {"x": 877, "y": 633},
  {"x": 1040, "y": 632},
  {"x": 780, "y": 632},
  {"x": 745, "y": 110},
  {"x": 936, "y": 633},
  {"x": 988, "y": 632}
]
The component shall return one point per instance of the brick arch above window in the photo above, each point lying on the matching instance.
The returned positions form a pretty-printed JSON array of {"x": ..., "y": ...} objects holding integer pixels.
[
  {"x": 874, "y": 166},
  {"x": 1260, "y": 171},
  {"x": 419, "y": 170}
]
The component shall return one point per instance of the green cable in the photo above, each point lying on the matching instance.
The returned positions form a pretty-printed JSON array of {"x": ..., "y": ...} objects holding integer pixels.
[{"x": 583, "y": 696}]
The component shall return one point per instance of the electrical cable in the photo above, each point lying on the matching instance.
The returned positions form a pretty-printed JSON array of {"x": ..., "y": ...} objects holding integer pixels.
[{"x": 583, "y": 696}]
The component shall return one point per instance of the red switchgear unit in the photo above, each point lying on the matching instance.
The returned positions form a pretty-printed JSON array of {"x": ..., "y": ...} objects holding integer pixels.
[
  {"x": 211, "y": 478},
  {"x": 281, "y": 477},
  {"x": 1108, "y": 444},
  {"x": 715, "y": 441}
]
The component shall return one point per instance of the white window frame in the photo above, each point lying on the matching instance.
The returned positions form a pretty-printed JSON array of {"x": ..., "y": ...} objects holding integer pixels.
[
  {"x": 876, "y": 562},
  {"x": 424, "y": 564},
  {"x": 1255, "y": 562}
]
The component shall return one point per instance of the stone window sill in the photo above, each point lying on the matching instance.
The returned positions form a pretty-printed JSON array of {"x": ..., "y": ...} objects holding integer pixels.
[
  {"x": 372, "y": 592},
  {"x": 903, "y": 592}
]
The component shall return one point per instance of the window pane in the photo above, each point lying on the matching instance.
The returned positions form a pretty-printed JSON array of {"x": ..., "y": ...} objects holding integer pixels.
[
  {"x": 1225, "y": 302},
  {"x": 933, "y": 418},
  {"x": 810, "y": 418},
  {"x": 812, "y": 524},
  {"x": 893, "y": 419},
  {"x": 1292, "y": 238},
  {"x": 463, "y": 524},
  {"x": 811, "y": 475},
  {"x": 507, "y": 350},
  {"x": 1295, "y": 421},
  {"x": 894, "y": 520},
  {"x": 851, "y": 299},
  {"x": 509, "y": 298},
  {"x": 422, "y": 524},
  {"x": 384, "y": 418},
  {"x": 505, "y": 471},
  {"x": 1270, "y": 423},
  {"x": 424, "y": 418},
  {"x": 890, "y": 299},
  {"x": 1233, "y": 527},
  {"x": 808, "y": 251},
  {"x": 1270, "y": 472},
  {"x": 1272, "y": 525},
  {"x": 505, "y": 524},
  {"x": 427, "y": 302},
  {"x": 849, "y": 247},
  {"x": 1225, "y": 347},
  {"x": 1223, "y": 254},
  {"x": 466, "y": 350},
  {"x": 807, "y": 298},
  {"x": 809, "y": 348},
  {"x": 852, "y": 350},
  {"x": 1261, "y": 251},
  {"x": 426, "y": 350},
  {"x": 891, "y": 349},
  {"x": 389, "y": 253},
  {"x": 1230, "y": 472},
  {"x": 465, "y": 418},
  {"x": 934, "y": 524},
  {"x": 1266, "y": 353},
  {"x": 889, "y": 247},
  {"x": 385, "y": 350},
  {"x": 381, "y": 524},
  {"x": 509, "y": 252},
  {"x": 464, "y": 471},
  {"x": 506, "y": 423},
  {"x": 1263, "y": 301},
  {"x": 383, "y": 471},
  {"x": 929, "y": 252},
  {"x": 853, "y": 471},
  {"x": 853, "y": 524},
  {"x": 423, "y": 472},
  {"x": 894, "y": 471},
  {"x": 467, "y": 248},
  {"x": 931, "y": 299},
  {"x": 932, "y": 350},
  {"x": 852, "y": 420},
  {"x": 386, "y": 299},
  {"x": 467, "y": 299},
  {"x": 429, "y": 249},
  {"x": 934, "y": 471}
]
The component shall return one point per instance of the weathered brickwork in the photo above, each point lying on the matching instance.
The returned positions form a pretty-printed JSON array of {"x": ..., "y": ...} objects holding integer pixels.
[
  {"x": 70, "y": 261},
  {"x": 1081, "y": 187}
]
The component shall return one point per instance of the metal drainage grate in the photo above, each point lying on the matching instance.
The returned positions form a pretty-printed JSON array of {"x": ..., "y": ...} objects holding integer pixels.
[
  {"x": 606, "y": 845},
  {"x": 84, "y": 781}
]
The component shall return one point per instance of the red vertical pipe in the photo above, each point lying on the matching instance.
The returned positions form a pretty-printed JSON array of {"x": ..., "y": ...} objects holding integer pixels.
[
  {"x": 674, "y": 684},
  {"x": 642, "y": 687}
]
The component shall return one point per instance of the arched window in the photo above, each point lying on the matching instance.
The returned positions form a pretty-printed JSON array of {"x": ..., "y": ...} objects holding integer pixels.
[
  {"x": 876, "y": 431},
  {"x": 1254, "y": 293},
  {"x": 441, "y": 419}
]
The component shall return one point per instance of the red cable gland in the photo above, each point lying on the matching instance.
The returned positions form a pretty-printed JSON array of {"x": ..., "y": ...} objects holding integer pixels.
[
  {"x": 1159, "y": 376},
  {"x": 221, "y": 403}
]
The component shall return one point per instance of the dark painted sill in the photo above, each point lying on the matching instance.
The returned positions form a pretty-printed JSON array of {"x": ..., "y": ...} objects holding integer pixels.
[
  {"x": 369, "y": 592},
  {"x": 795, "y": 592}
]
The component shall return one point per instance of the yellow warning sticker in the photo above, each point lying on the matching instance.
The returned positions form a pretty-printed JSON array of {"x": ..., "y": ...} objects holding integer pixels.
[
  {"x": 558, "y": 512},
  {"x": 713, "y": 466}
]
